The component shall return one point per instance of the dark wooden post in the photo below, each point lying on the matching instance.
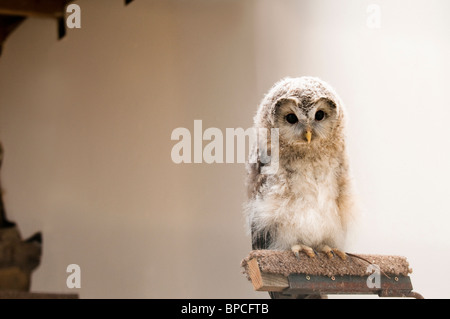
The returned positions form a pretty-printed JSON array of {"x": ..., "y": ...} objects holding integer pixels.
[{"x": 18, "y": 258}]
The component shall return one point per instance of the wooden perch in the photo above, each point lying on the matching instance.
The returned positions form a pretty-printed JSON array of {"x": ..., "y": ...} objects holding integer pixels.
[
  {"x": 265, "y": 281},
  {"x": 285, "y": 276}
]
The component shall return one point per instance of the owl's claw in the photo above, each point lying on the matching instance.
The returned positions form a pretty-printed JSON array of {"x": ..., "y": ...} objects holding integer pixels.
[
  {"x": 340, "y": 253},
  {"x": 296, "y": 249},
  {"x": 328, "y": 251},
  {"x": 331, "y": 253}
]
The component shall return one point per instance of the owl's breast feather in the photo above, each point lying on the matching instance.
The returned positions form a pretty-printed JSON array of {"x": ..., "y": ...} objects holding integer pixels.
[{"x": 302, "y": 207}]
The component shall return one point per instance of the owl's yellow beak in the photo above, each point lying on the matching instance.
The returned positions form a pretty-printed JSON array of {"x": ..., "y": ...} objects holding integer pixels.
[{"x": 308, "y": 136}]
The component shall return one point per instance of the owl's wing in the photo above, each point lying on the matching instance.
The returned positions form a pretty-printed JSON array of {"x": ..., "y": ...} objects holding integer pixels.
[
  {"x": 255, "y": 182},
  {"x": 260, "y": 240}
]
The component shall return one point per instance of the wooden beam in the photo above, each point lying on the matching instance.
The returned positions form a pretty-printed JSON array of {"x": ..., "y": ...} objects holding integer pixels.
[
  {"x": 61, "y": 28},
  {"x": 7, "y": 25},
  {"x": 395, "y": 286},
  {"x": 36, "y": 295},
  {"x": 33, "y": 8},
  {"x": 265, "y": 281}
]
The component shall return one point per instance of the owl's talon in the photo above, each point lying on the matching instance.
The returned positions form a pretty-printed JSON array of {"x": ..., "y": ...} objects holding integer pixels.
[
  {"x": 296, "y": 249},
  {"x": 308, "y": 251},
  {"x": 340, "y": 254},
  {"x": 328, "y": 251}
]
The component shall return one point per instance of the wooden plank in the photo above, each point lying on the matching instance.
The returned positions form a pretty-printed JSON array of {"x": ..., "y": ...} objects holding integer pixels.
[
  {"x": 305, "y": 284},
  {"x": 35, "y": 295},
  {"x": 265, "y": 281},
  {"x": 33, "y": 8}
]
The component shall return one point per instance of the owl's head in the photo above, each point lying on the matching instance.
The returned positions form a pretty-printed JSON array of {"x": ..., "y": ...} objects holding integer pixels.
[{"x": 306, "y": 111}]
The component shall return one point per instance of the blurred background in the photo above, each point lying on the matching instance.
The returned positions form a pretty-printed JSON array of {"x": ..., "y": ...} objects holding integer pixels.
[{"x": 86, "y": 125}]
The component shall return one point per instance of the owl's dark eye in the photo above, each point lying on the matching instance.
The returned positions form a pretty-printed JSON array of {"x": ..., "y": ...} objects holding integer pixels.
[
  {"x": 319, "y": 115},
  {"x": 291, "y": 118}
]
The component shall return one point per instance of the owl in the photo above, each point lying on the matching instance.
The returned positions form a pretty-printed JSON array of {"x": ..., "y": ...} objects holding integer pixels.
[{"x": 306, "y": 205}]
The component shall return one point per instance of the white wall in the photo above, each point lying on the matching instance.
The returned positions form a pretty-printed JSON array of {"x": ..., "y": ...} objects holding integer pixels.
[
  {"x": 394, "y": 81},
  {"x": 86, "y": 125}
]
